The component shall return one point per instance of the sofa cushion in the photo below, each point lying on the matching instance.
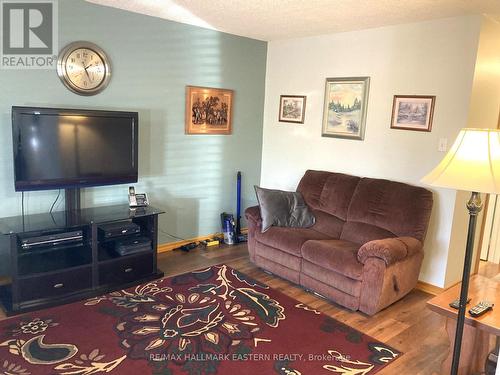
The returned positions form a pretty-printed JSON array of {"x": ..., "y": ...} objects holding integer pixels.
[
  {"x": 327, "y": 224},
  {"x": 289, "y": 240},
  {"x": 278, "y": 269},
  {"x": 333, "y": 279},
  {"x": 283, "y": 209},
  {"x": 335, "y": 255},
  {"x": 401, "y": 209},
  {"x": 337, "y": 194},
  {"x": 328, "y": 192},
  {"x": 329, "y": 195},
  {"x": 329, "y": 292},
  {"x": 277, "y": 256},
  {"x": 311, "y": 186},
  {"x": 362, "y": 233}
]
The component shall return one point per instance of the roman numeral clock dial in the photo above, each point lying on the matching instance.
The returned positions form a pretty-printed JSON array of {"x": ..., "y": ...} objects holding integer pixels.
[{"x": 84, "y": 68}]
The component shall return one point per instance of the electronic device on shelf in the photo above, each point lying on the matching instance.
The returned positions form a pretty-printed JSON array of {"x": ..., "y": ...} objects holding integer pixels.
[
  {"x": 48, "y": 275},
  {"x": 113, "y": 230},
  {"x": 481, "y": 308},
  {"x": 130, "y": 245},
  {"x": 56, "y": 148},
  {"x": 137, "y": 199},
  {"x": 456, "y": 303},
  {"x": 51, "y": 239}
]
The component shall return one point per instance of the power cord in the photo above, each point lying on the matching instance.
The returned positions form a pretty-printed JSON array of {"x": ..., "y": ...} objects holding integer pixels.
[
  {"x": 57, "y": 198},
  {"x": 193, "y": 245},
  {"x": 22, "y": 208},
  {"x": 216, "y": 240},
  {"x": 185, "y": 247},
  {"x": 172, "y": 236}
]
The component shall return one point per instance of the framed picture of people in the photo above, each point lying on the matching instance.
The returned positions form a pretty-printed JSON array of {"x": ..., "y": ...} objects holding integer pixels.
[{"x": 208, "y": 110}]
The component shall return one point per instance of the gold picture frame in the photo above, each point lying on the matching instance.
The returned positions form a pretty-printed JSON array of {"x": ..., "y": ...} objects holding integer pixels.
[{"x": 208, "y": 110}]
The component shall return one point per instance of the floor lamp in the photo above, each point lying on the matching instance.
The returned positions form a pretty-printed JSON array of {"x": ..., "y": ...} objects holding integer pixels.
[{"x": 472, "y": 164}]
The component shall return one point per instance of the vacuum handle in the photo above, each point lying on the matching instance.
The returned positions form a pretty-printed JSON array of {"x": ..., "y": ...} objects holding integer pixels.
[{"x": 238, "y": 203}]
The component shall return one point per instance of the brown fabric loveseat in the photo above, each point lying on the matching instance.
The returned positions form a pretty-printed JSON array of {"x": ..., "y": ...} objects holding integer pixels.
[{"x": 365, "y": 250}]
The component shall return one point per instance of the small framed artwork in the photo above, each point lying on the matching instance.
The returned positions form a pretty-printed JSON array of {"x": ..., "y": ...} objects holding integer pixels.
[
  {"x": 292, "y": 108},
  {"x": 412, "y": 112},
  {"x": 208, "y": 110},
  {"x": 344, "y": 113}
]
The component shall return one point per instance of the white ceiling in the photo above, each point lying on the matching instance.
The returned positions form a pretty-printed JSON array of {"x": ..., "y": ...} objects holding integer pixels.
[{"x": 280, "y": 19}]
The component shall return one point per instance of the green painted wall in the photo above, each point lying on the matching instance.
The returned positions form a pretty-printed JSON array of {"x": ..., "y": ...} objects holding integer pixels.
[{"x": 191, "y": 177}]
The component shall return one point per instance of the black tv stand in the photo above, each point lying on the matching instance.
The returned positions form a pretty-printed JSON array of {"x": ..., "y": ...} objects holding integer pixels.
[
  {"x": 72, "y": 199},
  {"x": 56, "y": 274}
]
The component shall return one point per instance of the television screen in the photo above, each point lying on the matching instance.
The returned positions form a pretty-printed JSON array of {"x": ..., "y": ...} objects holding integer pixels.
[{"x": 68, "y": 148}]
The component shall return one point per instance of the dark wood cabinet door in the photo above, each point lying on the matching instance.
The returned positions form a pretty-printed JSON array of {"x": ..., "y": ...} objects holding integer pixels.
[
  {"x": 55, "y": 284},
  {"x": 125, "y": 270}
]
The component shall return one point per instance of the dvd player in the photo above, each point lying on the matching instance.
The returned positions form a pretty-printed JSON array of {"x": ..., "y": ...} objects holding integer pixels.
[
  {"x": 51, "y": 239},
  {"x": 113, "y": 230},
  {"x": 131, "y": 245}
]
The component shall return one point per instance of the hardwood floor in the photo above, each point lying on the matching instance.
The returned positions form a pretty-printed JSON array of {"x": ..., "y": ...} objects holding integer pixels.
[{"x": 407, "y": 325}]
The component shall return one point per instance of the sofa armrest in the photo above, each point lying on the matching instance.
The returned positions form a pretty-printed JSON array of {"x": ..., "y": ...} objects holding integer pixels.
[
  {"x": 253, "y": 214},
  {"x": 390, "y": 250}
]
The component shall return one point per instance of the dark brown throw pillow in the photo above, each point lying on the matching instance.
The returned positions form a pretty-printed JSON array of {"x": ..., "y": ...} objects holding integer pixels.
[{"x": 283, "y": 209}]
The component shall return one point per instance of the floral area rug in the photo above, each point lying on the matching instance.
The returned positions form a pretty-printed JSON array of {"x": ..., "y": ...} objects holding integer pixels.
[{"x": 213, "y": 321}]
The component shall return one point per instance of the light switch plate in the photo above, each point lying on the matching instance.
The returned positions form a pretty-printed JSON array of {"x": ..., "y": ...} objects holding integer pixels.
[{"x": 443, "y": 145}]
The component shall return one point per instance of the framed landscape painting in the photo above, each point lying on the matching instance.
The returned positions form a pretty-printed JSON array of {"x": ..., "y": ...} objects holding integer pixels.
[
  {"x": 412, "y": 112},
  {"x": 208, "y": 110},
  {"x": 292, "y": 108},
  {"x": 344, "y": 114}
]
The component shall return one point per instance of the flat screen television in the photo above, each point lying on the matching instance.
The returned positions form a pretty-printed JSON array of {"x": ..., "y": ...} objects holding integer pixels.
[{"x": 72, "y": 148}]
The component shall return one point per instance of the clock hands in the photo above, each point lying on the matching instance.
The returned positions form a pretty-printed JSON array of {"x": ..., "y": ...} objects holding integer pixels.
[
  {"x": 89, "y": 66},
  {"x": 86, "y": 71}
]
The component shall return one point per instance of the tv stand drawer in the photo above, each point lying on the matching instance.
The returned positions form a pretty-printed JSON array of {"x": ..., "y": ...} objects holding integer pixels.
[
  {"x": 55, "y": 284},
  {"x": 127, "y": 269}
]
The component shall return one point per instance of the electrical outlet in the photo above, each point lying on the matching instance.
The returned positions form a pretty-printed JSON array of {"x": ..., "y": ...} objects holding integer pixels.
[{"x": 443, "y": 145}]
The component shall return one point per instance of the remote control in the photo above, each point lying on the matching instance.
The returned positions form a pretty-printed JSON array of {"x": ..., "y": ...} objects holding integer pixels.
[
  {"x": 456, "y": 304},
  {"x": 481, "y": 308}
]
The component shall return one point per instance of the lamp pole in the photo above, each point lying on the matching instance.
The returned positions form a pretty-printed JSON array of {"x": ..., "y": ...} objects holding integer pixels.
[{"x": 474, "y": 205}]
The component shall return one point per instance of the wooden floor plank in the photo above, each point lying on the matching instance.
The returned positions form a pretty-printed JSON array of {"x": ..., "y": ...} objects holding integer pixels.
[{"x": 406, "y": 325}]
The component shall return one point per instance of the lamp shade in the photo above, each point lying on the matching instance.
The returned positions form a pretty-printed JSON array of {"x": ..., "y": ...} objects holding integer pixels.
[{"x": 471, "y": 164}]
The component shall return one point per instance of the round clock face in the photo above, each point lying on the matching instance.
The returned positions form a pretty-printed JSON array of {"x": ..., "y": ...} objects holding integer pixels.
[{"x": 84, "y": 68}]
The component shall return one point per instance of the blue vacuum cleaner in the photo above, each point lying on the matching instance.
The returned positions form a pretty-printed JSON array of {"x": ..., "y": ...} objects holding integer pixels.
[
  {"x": 239, "y": 236},
  {"x": 231, "y": 227}
]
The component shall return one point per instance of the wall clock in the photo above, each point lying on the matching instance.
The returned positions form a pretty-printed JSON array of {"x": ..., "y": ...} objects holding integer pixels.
[{"x": 84, "y": 68}]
